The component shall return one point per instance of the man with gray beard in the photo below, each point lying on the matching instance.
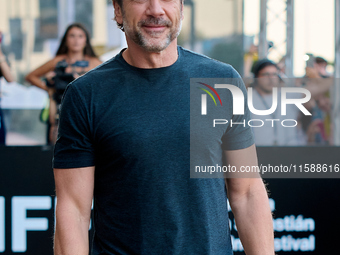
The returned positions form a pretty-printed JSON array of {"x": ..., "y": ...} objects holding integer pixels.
[{"x": 124, "y": 140}]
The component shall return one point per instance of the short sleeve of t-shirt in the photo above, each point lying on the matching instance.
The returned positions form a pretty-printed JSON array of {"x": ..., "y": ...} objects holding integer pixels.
[
  {"x": 74, "y": 146},
  {"x": 239, "y": 134}
]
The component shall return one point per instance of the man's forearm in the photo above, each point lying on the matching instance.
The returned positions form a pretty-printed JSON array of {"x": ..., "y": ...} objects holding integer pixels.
[
  {"x": 71, "y": 234},
  {"x": 254, "y": 220}
]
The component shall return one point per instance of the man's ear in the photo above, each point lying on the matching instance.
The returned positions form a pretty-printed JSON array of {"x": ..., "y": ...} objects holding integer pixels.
[
  {"x": 182, "y": 10},
  {"x": 118, "y": 12}
]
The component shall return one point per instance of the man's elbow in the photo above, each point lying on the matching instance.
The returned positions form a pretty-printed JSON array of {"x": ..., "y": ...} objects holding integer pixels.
[{"x": 241, "y": 190}]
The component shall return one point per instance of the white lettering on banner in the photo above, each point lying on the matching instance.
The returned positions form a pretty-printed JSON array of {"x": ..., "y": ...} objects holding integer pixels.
[
  {"x": 288, "y": 243},
  {"x": 285, "y": 243},
  {"x": 272, "y": 204},
  {"x": 2, "y": 224},
  {"x": 21, "y": 224},
  {"x": 290, "y": 223},
  {"x": 236, "y": 244}
]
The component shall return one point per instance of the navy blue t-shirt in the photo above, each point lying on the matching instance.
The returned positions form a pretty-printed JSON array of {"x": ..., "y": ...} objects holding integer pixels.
[{"x": 133, "y": 125}]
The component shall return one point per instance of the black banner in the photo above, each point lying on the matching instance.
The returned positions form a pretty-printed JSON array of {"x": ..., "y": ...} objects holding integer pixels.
[{"x": 305, "y": 210}]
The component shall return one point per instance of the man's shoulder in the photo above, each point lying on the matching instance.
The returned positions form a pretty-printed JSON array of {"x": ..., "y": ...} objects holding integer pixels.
[{"x": 206, "y": 64}]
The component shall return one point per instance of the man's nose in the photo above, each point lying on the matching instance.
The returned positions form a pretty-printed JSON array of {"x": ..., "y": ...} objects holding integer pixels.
[{"x": 155, "y": 8}]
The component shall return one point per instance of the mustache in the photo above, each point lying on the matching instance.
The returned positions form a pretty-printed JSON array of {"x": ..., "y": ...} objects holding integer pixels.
[{"x": 155, "y": 21}]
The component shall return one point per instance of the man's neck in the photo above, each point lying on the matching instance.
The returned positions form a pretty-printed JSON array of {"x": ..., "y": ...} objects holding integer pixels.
[{"x": 138, "y": 57}]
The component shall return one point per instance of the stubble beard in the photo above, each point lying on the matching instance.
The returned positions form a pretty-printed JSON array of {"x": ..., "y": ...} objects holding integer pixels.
[{"x": 152, "y": 43}]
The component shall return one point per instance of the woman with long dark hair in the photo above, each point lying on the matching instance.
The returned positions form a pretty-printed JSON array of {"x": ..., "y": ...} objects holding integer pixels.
[{"x": 74, "y": 57}]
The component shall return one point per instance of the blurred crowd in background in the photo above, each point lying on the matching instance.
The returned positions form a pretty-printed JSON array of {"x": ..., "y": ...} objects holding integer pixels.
[{"x": 263, "y": 75}]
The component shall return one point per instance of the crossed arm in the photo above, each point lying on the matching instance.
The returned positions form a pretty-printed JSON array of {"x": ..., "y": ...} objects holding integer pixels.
[
  {"x": 249, "y": 203},
  {"x": 74, "y": 190}
]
